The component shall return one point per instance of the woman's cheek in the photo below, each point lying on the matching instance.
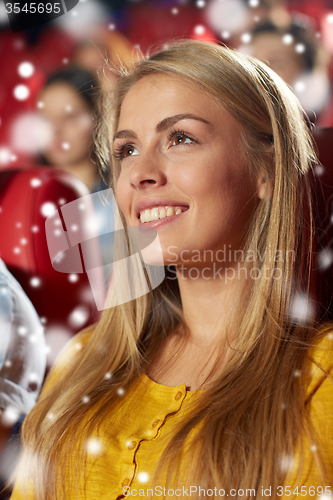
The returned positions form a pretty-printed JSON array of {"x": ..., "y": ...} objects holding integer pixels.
[
  {"x": 85, "y": 122},
  {"x": 120, "y": 194}
]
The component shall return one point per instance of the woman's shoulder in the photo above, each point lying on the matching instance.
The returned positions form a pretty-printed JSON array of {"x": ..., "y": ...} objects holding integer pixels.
[
  {"x": 68, "y": 357},
  {"x": 320, "y": 386},
  {"x": 320, "y": 393},
  {"x": 321, "y": 361}
]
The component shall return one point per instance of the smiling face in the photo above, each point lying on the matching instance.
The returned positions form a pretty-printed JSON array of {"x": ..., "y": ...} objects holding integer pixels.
[{"x": 182, "y": 165}]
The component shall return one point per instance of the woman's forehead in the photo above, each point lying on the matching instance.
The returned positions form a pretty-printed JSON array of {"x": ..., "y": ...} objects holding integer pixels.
[
  {"x": 171, "y": 94},
  {"x": 61, "y": 94}
]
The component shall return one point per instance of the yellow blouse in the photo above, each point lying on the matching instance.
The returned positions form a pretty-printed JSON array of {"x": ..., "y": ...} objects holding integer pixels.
[{"x": 123, "y": 457}]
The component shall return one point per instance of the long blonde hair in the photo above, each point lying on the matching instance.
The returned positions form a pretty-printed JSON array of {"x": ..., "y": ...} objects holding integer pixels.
[{"x": 244, "y": 426}]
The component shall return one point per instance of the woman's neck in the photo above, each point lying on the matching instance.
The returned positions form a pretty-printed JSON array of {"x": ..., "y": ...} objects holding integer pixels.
[
  {"x": 206, "y": 302},
  {"x": 194, "y": 352}
]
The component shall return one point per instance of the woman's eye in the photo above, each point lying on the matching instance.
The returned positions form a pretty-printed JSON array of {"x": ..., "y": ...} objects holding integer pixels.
[
  {"x": 181, "y": 138},
  {"x": 125, "y": 151},
  {"x": 130, "y": 151}
]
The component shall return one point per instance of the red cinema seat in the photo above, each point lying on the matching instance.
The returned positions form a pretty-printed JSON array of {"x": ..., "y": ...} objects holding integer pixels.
[{"x": 64, "y": 300}]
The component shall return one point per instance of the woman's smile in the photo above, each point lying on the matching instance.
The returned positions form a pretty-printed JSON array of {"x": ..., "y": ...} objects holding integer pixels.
[{"x": 159, "y": 216}]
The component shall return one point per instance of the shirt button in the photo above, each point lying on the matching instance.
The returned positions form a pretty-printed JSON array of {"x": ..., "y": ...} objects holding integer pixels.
[
  {"x": 178, "y": 395},
  {"x": 126, "y": 482},
  {"x": 131, "y": 445},
  {"x": 155, "y": 423}
]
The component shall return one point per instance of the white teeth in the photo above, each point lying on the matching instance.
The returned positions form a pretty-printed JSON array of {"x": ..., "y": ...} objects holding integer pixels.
[
  {"x": 162, "y": 213},
  {"x": 170, "y": 211},
  {"x": 156, "y": 213},
  {"x": 147, "y": 216}
]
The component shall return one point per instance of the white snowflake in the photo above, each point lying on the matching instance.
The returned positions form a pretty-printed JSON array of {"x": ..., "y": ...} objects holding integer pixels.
[
  {"x": 10, "y": 416},
  {"x": 329, "y": 18},
  {"x": 22, "y": 330},
  {"x": 73, "y": 278},
  {"x": 94, "y": 446},
  {"x": 4, "y": 156},
  {"x": 285, "y": 463},
  {"x": 78, "y": 317},
  {"x": 319, "y": 170},
  {"x": 287, "y": 39},
  {"x": 21, "y": 92},
  {"x": 246, "y": 38},
  {"x": 300, "y": 48},
  {"x": 35, "y": 182},
  {"x": 48, "y": 208},
  {"x": 199, "y": 29},
  {"x": 35, "y": 282},
  {"x": 325, "y": 258},
  {"x": 26, "y": 69},
  {"x": 143, "y": 477},
  {"x": 299, "y": 86}
]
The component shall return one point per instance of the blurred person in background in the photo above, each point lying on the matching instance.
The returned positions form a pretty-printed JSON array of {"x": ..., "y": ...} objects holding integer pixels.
[
  {"x": 67, "y": 104},
  {"x": 22, "y": 364},
  {"x": 96, "y": 55},
  {"x": 297, "y": 55},
  {"x": 233, "y": 20}
]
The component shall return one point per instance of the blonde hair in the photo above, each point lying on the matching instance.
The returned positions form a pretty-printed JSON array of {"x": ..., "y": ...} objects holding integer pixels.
[{"x": 235, "y": 447}]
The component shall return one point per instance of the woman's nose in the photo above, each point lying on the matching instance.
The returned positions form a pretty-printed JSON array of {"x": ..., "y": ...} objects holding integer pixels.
[{"x": 148, "y": 171}]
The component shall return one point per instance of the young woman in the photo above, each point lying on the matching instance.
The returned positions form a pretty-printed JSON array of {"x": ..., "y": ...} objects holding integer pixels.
[
  {"x": 67, "y": 103},
  {"x": 212, "y": 384}
]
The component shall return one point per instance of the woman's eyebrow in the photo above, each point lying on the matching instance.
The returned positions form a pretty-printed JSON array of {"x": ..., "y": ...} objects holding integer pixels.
[
  {"x": 124, "y": 134},
  {"x": 161, "y": 126},
  {"x": 171, "y": 120}
]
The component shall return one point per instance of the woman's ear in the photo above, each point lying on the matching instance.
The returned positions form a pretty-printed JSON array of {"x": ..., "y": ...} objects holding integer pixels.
[{"x": 264, "y": 186}]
